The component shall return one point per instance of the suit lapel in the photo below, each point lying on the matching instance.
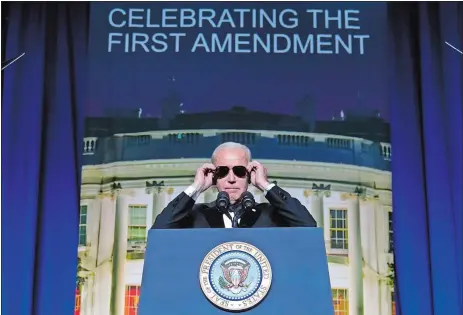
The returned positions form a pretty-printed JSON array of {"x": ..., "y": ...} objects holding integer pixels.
[
  {"x": 213, "y": 216},
  {"x": 250, "y": 217}
]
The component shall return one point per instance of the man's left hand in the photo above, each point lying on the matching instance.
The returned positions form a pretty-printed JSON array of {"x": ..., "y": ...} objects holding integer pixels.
[{"x": 258, "y": 175}]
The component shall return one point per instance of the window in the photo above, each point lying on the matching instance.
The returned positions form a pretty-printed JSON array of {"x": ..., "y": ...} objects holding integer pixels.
[
  {"x": 340, "y": 301},
  {"x": 137, "y": 232},
  {"x": 391, "y": 233},
  {"x": 132, "y": 295},
  {"x": 393, "y": 303},
  {"x": 77, "y": 302},
  {"x": 338, "y": 228},
  {"x": 83, "y": 225}
]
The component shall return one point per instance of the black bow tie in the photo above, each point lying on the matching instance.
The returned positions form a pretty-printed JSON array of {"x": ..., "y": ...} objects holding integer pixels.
[
  {"x": 238, "y": 211},
  {"x": 235, "y": 208}
]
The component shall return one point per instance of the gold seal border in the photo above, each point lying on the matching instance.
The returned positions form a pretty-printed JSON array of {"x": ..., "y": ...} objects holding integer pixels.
[{"x": 251, "y": 301}]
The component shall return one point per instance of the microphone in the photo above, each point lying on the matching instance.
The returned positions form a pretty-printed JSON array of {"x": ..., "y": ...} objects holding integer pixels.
[
  {"x": 223, "y": 202},
  {"x": 247, "y": 200}
]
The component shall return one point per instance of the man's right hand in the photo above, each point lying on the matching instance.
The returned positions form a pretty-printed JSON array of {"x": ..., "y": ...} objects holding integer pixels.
[{"x": 203, "y": 177}]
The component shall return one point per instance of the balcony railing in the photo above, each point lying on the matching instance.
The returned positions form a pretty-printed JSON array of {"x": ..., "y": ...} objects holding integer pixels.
[{"x": 263, "y": 144}]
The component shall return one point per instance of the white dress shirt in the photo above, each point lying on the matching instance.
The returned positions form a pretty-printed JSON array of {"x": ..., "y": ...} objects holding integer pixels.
[{"x": 194, "y": 194}]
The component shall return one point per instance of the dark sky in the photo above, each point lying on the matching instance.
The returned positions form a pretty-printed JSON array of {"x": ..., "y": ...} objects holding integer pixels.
[{"x": 260, "y": 81}]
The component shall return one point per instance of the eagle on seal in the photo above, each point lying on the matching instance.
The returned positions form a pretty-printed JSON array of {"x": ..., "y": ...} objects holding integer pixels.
[{"x": 235, "y": 275}]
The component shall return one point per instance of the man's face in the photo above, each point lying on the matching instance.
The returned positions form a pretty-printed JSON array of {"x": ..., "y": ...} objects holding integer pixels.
[{"x": 233, "y": 184}]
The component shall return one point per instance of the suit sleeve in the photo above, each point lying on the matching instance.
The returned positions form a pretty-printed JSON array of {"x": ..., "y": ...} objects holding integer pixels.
[
  {"x": 290, "y": 209},
  {"x": 175, "y": 214}
]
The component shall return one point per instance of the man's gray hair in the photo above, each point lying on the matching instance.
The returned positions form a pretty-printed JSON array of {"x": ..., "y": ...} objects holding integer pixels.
[{"x": 227, "y": 145}]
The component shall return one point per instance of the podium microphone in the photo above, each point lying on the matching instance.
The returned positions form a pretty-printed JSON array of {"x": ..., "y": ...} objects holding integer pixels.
[
  {"x": 247, "y": 201},
  {"x": 223, "y": 202}
]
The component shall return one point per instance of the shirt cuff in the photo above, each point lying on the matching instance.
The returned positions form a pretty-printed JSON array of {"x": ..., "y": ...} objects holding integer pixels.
[
  {"x": 192, "y": 192},
  {"x": 267, "y": 189}
]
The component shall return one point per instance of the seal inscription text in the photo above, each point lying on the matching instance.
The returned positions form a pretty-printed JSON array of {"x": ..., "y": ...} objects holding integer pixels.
[{"x": 235, "y": 276}]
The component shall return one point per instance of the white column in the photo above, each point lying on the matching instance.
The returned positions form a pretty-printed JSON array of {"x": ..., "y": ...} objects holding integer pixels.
[
  {"x": 102, "y": 290},
  {"x": 159, "y": 201},
  {"x": 316, "y": 201},
  {"x": 316, "y": 207},
  {"x": 169, "y": 195},
  {"x": 119, "y": 255},
  {"x": 103, "y": 251},
  {"x": 88, "y": 299},
  {"x": 355, "y": 257},
  {"x": 93, "y": 231},
  {"x": 106, "y": 226},
  {"x": 370, "y": 232},
  {"x": 84, "y": 298},
  {"x": 210, "y": 195}
]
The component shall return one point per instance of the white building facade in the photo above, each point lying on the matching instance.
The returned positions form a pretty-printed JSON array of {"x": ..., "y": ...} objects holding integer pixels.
[{"x": 120, "y": 200}]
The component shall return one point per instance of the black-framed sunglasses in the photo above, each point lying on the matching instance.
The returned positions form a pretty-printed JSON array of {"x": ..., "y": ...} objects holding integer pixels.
[{"x": 239, "y": 171}]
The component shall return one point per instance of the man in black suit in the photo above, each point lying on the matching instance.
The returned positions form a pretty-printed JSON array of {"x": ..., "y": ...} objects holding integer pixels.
[{"x": 231, "y": 171}]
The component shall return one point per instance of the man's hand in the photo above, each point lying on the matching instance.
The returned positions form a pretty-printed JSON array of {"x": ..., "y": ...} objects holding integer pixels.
[
  {"x": 203, "y": 177},
  {"x": 258, "y": 175}
]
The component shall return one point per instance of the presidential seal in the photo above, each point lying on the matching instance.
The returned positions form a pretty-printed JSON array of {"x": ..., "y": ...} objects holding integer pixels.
[{"x": 235, "y": 276}]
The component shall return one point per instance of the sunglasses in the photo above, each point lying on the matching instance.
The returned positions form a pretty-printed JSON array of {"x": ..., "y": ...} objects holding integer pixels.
[{"x": 239, "y": 171}]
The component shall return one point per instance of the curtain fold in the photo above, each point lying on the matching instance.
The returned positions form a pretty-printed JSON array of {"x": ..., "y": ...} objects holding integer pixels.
[
  {"x": 427, "y": 138},
  {"x": 42, "y": 124}
]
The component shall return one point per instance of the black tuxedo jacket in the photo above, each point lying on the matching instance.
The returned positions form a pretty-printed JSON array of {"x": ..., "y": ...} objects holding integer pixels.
[{"x": 282, "y": 211}]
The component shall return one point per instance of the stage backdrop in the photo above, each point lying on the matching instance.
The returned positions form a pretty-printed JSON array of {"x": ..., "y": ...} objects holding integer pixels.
[{"x": 303, "y": 85}]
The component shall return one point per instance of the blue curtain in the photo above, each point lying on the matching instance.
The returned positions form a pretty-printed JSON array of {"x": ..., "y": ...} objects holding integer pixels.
[
  {"x": 42, "y": 123},
  {"x": 427, "y": 140}
]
